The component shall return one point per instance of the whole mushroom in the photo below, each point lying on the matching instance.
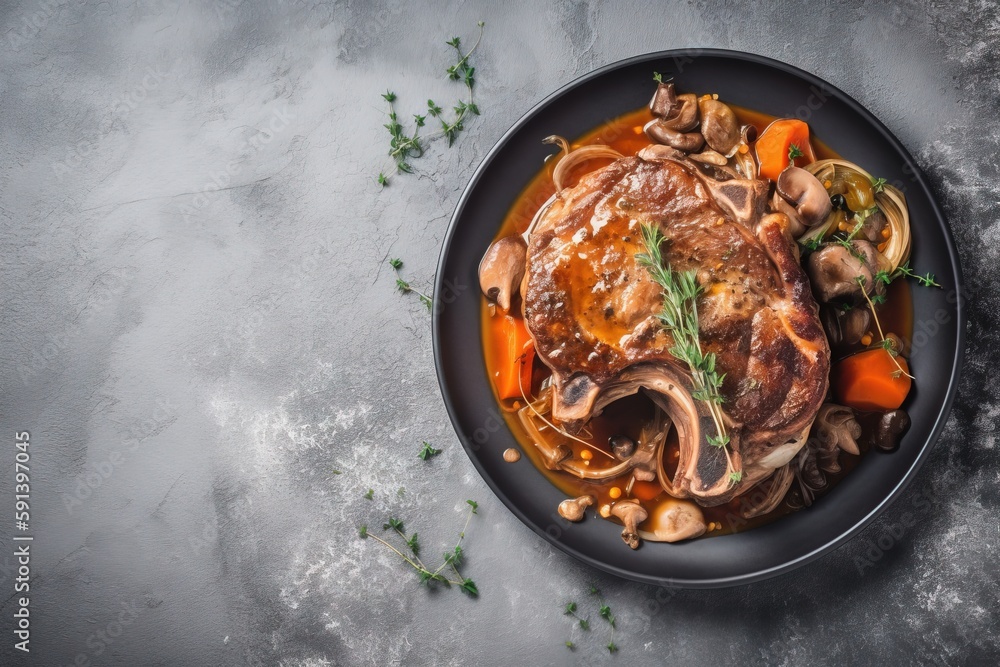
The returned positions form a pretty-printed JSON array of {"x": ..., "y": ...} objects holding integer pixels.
[
  {"x": 573, "y": 509},
  {"x": 799, "y": 195},
  {"x": 674, "y": 130},
  {"x": 660, "y": 132},
  {"x": 664, "y": 102},
  {"x": 836, "y": 271},
  {"x": 890, "y": 429},
  {"x": 845, "y": 326},
  {"x": 836, "y": 428},
  {"x": 673, "y": 520},
  {"x": 631, "y": 514},
  {"x": 719, "y": 126}
]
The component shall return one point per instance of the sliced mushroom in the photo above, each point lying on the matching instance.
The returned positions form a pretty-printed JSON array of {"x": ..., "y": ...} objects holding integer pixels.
[
  {"x": 836, "y": 428},
  {"x": 655, "y": 152},
  {"x": 802, "y": 197},
  {"x": 710, "y": 157},
  {"x": 719, "y": 126},
  {"x": 810, "y": 478},
  {"x": 501, "y": 270},
  {"x": 664, "y": 100},
  {"x": 674, "y": 520},
  {"x": 836, "y": 271},
  {"x": 631, "y": 514},
  {"x": 686, "y": 118},
  {"x": 659, "y": 131},
  {"x": 573, "y": 509}
]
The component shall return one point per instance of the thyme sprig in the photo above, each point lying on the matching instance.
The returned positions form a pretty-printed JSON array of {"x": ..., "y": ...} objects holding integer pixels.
[
  {"x": 452, "y": 559},
  {"x": 427, "y": 451},
  {"x": 885, "y": 343},
  {"x": 605, "y": 613},
  {"x": 404, "y": 145},
  {"x": 927, "y": 280},
  {"x": 679, "y": 315},
  {"x": 405, "y": 287},
  {"x": 584, "y": 623}
]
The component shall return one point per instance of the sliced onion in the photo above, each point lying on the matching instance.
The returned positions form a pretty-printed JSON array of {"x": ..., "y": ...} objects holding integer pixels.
[
  {"x": 890, "y": 201},
  {"x": 745, "y": 165},
  {"x": 893, "y": 205},
  {"x": 575, "y": 157}
]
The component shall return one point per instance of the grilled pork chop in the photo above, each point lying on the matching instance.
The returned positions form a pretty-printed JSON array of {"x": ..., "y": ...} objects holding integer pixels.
[{"x": 591, "y": 310}]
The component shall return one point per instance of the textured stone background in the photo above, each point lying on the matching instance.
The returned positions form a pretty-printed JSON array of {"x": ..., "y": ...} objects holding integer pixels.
[{"x": 196, "y": 304}]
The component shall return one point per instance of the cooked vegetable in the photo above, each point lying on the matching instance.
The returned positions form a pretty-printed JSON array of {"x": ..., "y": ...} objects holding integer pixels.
[
  {"x": 515, "y": 355},
  {"x": 775, "y": 144},
  {"x": 799, "y": 195},
  {"x": 501, "y": 270},
  {"x": 871, "y": 380},
  {"x": 893, "y": 244},
  {"x": 859, "y": 195}
]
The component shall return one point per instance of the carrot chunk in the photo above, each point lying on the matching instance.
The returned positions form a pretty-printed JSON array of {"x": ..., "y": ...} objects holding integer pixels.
[
  {"x": 775, "y": 144},
  {"x": 870, "y": 380},
  {"x": 516, "y": 355}
]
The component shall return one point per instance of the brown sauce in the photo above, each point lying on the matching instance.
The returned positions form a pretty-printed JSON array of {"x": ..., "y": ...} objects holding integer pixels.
[{"x": 626, "y": 417}]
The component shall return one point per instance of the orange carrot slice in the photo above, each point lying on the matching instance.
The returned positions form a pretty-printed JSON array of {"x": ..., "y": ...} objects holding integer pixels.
[{"x": 870, "y": 380}]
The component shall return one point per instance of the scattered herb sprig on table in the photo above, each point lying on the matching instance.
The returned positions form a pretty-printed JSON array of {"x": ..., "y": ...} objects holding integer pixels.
[
  {"x": 679, "y": 316},
  {"x": 405, "y": 287},
  {"x": 405, "y": 145},
  {"x": 427, "y": 451},
  {"x": 604, "y": 611},
  {"x": 584, "y": 623},
  {"x": 452, "y": 559}
]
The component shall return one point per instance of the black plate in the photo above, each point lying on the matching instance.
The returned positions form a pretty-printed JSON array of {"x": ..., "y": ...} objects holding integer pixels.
[{"x": 764, "y": 85}]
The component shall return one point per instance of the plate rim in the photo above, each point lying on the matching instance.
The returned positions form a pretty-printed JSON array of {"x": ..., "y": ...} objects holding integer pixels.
[{"x": 930, "y": 441}]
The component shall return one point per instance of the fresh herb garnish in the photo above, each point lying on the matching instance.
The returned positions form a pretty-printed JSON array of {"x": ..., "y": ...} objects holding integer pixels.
[
  {"x": 605, "y": 612},
  {"x": 812, "y": 244},
  {"x": 452, "y": 559},
  {"x": 658, "y": 78},
  {"x": 860, "y": 280},
  {"x": 405, "y": 287},
  {"x": 886, "y": 277},
  {"x": 571, "y": 611},
  {"x": 927, "y": 280},
  {"x": 794, "y": 152},
  {"x": 679, "y": 316},
  {"x": 427, "y": 451},
  {"x": 878, "y": 184},
  {"x": 370, "y": 494},
  {"x": 404, "y": 145}
]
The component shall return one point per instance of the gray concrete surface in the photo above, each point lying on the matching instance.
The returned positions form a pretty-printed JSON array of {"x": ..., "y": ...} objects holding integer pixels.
[{"x": 199, "y": 327}]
